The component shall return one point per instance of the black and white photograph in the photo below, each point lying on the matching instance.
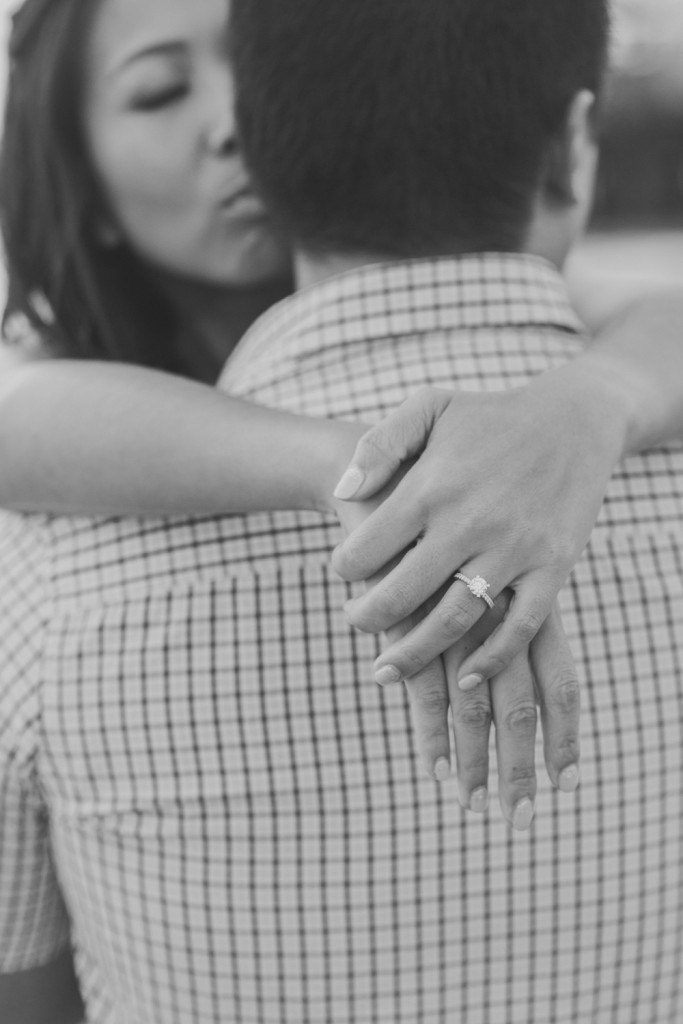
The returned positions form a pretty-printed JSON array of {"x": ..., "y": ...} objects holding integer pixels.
[{"x": 341, "y": 512}]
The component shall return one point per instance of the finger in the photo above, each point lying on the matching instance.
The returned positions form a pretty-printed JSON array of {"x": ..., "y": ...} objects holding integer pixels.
[
  {"x": 385, "y": 534},
  {"x": 471, "y": 714},
  {"x": 515, "y": 714},
  {"x": 429, "y": 706},
  {"x": 559, "y": 695},
  {"x": 529, "y": 609},
  {"x": 382, "y": 450},
  {"x": 453, "y": 616},
  {"x": 429, "y": 702},
  {"x": 472, "y": 717},
  {"x": 401, "y": 592}
]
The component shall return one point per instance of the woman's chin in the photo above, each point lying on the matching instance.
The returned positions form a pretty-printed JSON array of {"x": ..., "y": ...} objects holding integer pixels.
[
  {"x": 262, "y": 261},
  {"x": 256, "y": 266}
]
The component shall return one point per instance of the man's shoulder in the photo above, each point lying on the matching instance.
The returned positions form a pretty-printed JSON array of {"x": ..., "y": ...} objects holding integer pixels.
[{"x": 400, "y": 303}]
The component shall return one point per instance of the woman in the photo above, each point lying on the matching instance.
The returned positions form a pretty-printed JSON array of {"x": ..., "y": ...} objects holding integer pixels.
[
  {"x": 131, "y": 237},
  {"x": 95, "y": 226}
]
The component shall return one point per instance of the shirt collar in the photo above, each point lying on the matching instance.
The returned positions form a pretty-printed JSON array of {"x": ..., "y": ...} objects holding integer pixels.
[{"x": 407, "y": 298}]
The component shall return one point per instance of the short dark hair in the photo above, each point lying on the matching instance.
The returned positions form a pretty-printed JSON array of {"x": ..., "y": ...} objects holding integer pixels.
[
  {"x": 405, "y": 126},
  {"x": 102, "y": 301}
]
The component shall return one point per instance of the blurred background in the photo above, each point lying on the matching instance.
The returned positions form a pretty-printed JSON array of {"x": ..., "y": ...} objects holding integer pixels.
[
  {"x": 642, "y": 145},
  {"x": 637, "y": 230},
  {"x": 636, "y": 238}
]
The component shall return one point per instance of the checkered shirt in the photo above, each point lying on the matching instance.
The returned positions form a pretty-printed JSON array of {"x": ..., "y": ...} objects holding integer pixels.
[{"x": 203, "y": 789}]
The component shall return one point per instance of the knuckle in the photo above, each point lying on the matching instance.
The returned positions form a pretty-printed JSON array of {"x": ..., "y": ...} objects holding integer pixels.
[
  {"x": 521, "y": 773},
  {"x": 394, "y": 604},
  {"x": 564, "y": 552},
  {"x": 496, "y": 662},
  {"x": 475, "y": 766},
  {"x": 528, "y": 625},
  {"x": 476, "y": 716},
  {"x": 454, "y": 617},
  {"x": 423, "y": 496},
  {"x": 521, "y": 721},
  {"x": 434, "y": 702},
  {"x": 568, "y": 750},
  {"x": 376, "y": 444},
  {"x": 422, "y": 401},
  {"x": 566, "y": 696},
  {"x": 409, "y": 660}
]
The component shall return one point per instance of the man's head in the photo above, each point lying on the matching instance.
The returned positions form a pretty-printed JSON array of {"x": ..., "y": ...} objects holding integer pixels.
[{"x": 417, "y": 127}]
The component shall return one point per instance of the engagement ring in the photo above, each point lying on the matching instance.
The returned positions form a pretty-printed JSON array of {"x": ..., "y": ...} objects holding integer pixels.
[{"x": 476, "y": 586}]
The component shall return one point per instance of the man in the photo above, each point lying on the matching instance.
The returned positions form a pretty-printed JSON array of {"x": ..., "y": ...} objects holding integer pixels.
[
  {"x": 239, "y": 823},
  {"x": 388, "y": 137}
]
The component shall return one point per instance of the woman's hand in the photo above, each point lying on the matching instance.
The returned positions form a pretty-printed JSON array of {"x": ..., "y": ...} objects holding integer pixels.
[{"x": 508, "y": 488}]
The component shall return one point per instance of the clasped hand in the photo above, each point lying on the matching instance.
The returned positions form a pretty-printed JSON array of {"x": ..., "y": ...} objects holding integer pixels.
[{"x": 506, "y": 486}]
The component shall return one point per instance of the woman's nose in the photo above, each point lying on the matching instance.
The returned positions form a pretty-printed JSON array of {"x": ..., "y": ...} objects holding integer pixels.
[
  {"x": 221, "y": 133},
  {"x": 222, "y": 140},
  {"x": 221, "y": 136}
]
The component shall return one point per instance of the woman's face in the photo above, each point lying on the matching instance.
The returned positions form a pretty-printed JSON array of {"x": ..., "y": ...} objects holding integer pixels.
[{"x": 160, "y": 127}]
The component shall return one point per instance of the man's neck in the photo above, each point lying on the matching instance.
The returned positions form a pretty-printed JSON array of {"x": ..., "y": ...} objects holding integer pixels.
[
  {"x": 550, "y": 235},
  {"x": 310, "y": 270},
  {"x": 313, "y": 269}
]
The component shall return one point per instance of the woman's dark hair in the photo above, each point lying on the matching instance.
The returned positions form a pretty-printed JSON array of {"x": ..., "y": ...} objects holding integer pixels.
[{"x": 103, "y": 304}]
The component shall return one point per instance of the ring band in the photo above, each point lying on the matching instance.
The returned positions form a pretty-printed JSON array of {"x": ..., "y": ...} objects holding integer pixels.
[{"x": 476, "y": 586}]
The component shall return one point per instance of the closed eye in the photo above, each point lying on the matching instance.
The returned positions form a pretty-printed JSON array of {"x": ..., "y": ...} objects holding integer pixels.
[{"x": 160, "y": 98}]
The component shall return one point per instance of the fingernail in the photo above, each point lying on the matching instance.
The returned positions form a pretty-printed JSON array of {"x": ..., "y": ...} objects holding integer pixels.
[
  {"x": 470, "y": 682},
  {"x": 349, "y": 484},
  {"x": 442, "y": 769},
  {"x": 523, "y": 815},
  {"x": 569, "y": 779},
  {"x": 387, "y": 675},
  {"x": 479, "y": 801}
]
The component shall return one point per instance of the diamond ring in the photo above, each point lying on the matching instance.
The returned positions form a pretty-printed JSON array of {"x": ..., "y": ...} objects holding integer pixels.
[{"x": 476, "y": 586}]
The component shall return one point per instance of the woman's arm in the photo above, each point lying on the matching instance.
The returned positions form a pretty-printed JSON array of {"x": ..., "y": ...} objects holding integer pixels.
[
  {"x": 91, "y": 438},
  {"x": 639, "y": 349},
  {"x": 509, "y": 486}
]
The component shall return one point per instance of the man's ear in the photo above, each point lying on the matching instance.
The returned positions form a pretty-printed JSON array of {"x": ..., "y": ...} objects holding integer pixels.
[{"x": 571, "y": 162}]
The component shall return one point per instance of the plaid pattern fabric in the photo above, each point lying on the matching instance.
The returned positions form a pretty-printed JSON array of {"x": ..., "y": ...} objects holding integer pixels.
[{"x": 197, "y": 765}]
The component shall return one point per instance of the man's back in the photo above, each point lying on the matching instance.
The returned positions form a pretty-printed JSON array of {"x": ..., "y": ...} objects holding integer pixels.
[{"x": 241, "y": 827}]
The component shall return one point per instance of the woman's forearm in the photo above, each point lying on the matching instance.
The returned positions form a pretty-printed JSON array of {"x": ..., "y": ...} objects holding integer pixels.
[
  {"x": 637, "y": 357},
  {"x": 95, "y": 438}
]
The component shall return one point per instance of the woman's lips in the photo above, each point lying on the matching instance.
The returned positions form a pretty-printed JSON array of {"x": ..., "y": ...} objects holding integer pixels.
[{"x": 245, "y": 199}]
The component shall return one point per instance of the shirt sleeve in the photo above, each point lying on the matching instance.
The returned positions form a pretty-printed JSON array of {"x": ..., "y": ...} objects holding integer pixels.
[{"x": 34, "y": 926}]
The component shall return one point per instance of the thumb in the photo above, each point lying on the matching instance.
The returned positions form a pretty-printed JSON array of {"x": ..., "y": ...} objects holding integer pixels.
[{"x": 380, "y": 453}]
